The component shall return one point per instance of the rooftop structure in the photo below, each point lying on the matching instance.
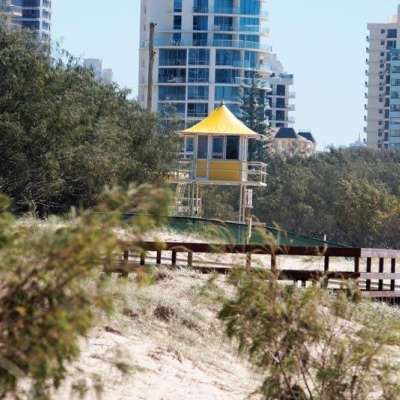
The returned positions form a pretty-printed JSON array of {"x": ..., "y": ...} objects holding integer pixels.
[{"x": 288, "y": 143}]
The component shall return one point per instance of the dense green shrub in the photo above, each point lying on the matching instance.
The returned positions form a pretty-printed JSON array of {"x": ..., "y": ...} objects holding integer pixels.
[
  {"x": 52, "y": 282},
  {"x": 309, "y": 345},
  {"x": 352, "y": 196},
  {"x": 64, "y": 136}
]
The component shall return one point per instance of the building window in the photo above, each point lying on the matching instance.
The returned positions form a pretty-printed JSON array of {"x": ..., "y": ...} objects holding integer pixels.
[
  {"x": 250, "y": 41},
  {"x": 280, "y": 102},
  {"x": 199, "y": 57},
  {"x": 228, "y": 57},
  {"x": 200, "y": 23},
  {"x": 223, "y": 24},
  {"x": 248, "y": 24},
  {"x": 171, "y": 109},
  {"x": 218, "y": 148},
  {"x": 224, "y": 6},
  {"x": 391, "y": 33},
  {"x": 178, "y": 6},
  {"x": 27, "y": 13},
  {"x": 227, "y": 93},
  {"x": 391, "y": 44},
  {"x": 197, "y": 110},
  {"x": 177, "y": 22},
  {"x": 172, "y": 75},
  {"x": 172, "y": 57},
  {"x": 200, "y": 39},
  {"x": 232, "y": 147},
  {"x": 198, "y": 75},
  {"x": 30, "y": 3},
  {"x": 227, "y": 76},
  {"x": 251, "y": 7},
  {"x": 202, "y": 148},
  {"x": 250, "y": 59},
  {"x": 223, "y": 40},
  {"x": 171, "y": 93},
  {"x": 198, "y": 92},
  {"x": 280, "y": 90},
  {"x": 200, "y": 6},
  {"x": 280, "y": 115}
]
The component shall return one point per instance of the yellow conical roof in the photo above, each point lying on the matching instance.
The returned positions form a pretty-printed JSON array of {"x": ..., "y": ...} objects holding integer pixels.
[{"x": 221, "y": 122}]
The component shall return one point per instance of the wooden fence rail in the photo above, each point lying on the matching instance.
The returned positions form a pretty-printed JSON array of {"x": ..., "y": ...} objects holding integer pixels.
[{"x": 380, "y": 284}]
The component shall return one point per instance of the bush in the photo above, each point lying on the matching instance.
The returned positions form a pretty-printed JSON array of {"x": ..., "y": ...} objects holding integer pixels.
[
  {"x": 64, "y": 136},
  {"x": 52, "y": 282},
  {"x": 309, "y": 344}
]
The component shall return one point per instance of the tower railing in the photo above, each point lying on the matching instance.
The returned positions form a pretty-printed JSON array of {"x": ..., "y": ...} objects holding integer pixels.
[{"x": 255, "y": 172}]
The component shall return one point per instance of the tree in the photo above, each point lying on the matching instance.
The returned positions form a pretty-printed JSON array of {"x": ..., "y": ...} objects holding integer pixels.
[
  {"x": 308, "y": 344},
  {"x": 253, "y": 108},
  {"x": 64, "y": 136},
  {"x": 352, "y": 196},
  {"x": 53, "y": 282}
]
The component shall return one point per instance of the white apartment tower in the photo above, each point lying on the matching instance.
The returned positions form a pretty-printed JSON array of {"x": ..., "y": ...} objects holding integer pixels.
[
  {"x": 205, "y": 50},
  {"x": 96, "y": 65},
  {"x": 383, "y": 85}
]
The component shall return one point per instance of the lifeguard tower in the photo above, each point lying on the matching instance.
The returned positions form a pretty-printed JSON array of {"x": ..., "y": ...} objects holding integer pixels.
[{"x": 216, "y": 153}]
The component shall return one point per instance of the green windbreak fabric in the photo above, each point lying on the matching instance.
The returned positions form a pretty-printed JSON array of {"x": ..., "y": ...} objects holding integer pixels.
[{"x": 235, "y": 233}]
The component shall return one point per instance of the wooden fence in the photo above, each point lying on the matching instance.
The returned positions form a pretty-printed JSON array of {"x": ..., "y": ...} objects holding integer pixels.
[{"x": 373, "y": 269}]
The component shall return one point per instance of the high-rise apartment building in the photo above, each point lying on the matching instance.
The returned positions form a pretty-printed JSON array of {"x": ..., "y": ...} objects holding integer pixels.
[
  {"x": 96, "y": 65},
  {"x": 30, "y": 14},
  {"x": 204, "y": 52},
  {"x": 383, "y": 85}
]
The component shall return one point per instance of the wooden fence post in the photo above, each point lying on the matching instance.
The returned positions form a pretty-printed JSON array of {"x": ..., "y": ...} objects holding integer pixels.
[
  {"x": 325, "y": 281},
  {"x": 158, "y": 261},
  {"x": 273, "y": 262},
  {"x": 393, "y": 271},
  {"x": 190, "y": 259},
  {"x": 124, "y": 273},
  {"x": 142, "y": 258},
  {"x": 173, "y": 258},
  {"x": 368, "y": 281},
  {"x": 381, "y": 270}
]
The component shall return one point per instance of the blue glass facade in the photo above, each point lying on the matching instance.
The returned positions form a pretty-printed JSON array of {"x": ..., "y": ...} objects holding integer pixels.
[
  {"x": 172, "y": 57},
  {"x": 228, "y": 57},
  {"x": 198, "y": 93},
  {"x": 199, "y": 57},
  {"x": 227, "y": 93},
  {"x": 209, "y": 50}
]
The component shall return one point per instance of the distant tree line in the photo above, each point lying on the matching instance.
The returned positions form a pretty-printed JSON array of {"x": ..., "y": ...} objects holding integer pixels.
[
  {"x": 64, "y": 136},
  {"x": 351, "y": 196}
]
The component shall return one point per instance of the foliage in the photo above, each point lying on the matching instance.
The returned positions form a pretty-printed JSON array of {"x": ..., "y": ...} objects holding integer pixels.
[
  {"x": 53, "y": 281},
  {"x": 252, "y": 112},
  {"x": 309, "y": 345},
  {"x": 352, "y": 196},
  {"x": 64, "y": 136}
]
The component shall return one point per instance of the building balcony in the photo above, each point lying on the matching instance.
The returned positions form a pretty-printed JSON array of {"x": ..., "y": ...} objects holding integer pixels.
[
  {"x": 229, "y": 11},
  {"x": 169, "y": 41}
]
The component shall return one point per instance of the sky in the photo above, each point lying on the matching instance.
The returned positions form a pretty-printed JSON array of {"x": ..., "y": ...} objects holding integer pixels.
[{"x": 322, "y": 42}]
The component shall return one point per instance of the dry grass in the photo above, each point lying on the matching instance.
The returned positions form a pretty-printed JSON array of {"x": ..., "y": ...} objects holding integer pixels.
[{"x": 163, "y": 342}]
